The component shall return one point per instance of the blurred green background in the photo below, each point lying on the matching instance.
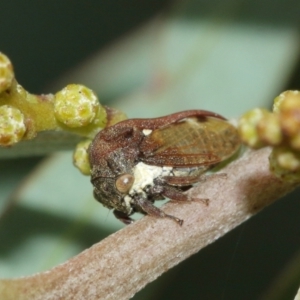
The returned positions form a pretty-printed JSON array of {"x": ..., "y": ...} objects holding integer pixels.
[{"x": 150, "y": 58}]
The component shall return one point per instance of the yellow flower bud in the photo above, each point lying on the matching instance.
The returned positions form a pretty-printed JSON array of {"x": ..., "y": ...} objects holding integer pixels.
[
  {"x": 12, "y": 127},
  {"x": 76, "y": 106}
]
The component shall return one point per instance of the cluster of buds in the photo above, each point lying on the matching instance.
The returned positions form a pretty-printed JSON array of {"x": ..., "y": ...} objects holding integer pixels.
[
  {"x": 12, "y": 126},
  {"x": 75, "y": 109},
  {"x": 22, "y": 115},
  {"x": 279, "y": 129}
]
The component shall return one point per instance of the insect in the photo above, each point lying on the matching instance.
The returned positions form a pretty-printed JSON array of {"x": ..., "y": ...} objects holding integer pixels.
[{"x": 138, "y": 161}]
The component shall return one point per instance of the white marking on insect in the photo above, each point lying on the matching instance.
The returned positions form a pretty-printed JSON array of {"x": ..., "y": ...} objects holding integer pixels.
[
  {"x": 127, "y": 202},
  {"x": 147, "y": 131},
  {"x": 144, "y": 176}
]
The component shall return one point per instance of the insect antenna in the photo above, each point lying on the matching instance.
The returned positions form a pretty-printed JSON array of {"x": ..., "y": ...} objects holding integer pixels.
[{"x": 106, "y": 217}]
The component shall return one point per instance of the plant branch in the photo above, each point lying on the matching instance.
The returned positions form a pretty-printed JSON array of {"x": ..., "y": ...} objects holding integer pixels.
[{"x": 123, "y": 263}]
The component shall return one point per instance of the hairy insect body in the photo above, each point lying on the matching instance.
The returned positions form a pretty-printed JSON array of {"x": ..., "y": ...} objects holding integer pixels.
[
  {"x": 145, "y": 175},
  {"x": 136, "y": 162},
  {"x": 144, "y": 180}
]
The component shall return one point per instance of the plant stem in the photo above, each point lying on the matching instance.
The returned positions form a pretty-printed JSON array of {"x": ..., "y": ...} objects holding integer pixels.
[{"x": 123, "y": 263}]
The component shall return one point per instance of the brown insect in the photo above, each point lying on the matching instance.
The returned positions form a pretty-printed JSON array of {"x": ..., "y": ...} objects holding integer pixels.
[{"x": 138, "y": 161}]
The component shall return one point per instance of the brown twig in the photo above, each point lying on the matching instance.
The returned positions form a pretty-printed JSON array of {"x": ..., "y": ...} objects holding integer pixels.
[{"x": 122, "y": 264}]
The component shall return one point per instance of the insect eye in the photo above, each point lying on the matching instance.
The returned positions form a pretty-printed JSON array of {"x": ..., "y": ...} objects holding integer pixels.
[{"x": 124, "y": 183}]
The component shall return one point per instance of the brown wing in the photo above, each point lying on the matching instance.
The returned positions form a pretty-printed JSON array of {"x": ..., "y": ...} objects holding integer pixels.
[{"x": 190, "y": 142}]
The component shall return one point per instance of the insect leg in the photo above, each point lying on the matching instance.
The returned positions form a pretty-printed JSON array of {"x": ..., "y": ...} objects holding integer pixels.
[
  {"x": 182, "y": 180},
  {"x": 177, "y": 195},
  {"x": 122, "y": 217},
  {"x": 151, "y": 210},
  {"x": 188, "y": 180},
  {"x": 174, "y": 194}
]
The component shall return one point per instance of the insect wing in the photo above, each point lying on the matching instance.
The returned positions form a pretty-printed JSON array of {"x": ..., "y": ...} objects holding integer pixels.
[{"x": 190, "y": 142}]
